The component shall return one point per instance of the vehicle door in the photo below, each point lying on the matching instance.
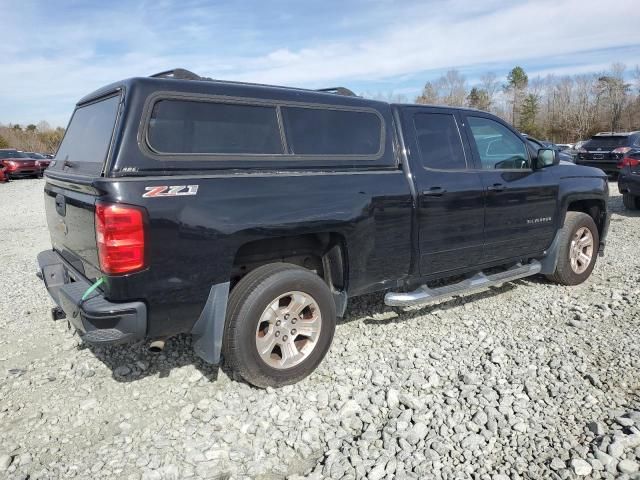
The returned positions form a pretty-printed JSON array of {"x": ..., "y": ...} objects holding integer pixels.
[
  {"x": 521, "y": 203},
  {"x": 450, "y": 206}
]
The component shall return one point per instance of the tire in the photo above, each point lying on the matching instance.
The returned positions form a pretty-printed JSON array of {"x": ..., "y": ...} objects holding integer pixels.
[
  {"x": 252, "y": 300},
  {"x": 567, "y": 273},
  {"x": 631, "y": 202}
]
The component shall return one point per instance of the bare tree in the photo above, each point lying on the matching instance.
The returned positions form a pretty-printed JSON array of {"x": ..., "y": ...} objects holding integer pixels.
[
  {"x": 614, "y": 89},
  {"x": 448, "y": 89},
  {"x": 455, "y": 87},
  {"x": 489, "y": 83},
  {"x": 429, "y": 94}
]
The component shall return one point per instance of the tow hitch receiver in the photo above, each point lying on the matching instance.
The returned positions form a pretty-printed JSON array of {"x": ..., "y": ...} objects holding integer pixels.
[{"x": 57, "y": 314}]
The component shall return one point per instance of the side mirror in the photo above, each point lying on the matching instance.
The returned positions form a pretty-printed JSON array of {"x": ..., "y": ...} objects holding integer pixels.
[{"x": 547, "y": 157}]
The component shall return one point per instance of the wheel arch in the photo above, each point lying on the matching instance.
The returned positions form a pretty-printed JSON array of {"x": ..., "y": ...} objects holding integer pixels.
[
  {"x": 323, "y": 252},
  {"x": 595, "y": 207}
]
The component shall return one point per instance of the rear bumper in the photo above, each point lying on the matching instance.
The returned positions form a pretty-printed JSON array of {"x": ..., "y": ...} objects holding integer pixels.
[
  {"x": 98, "y": 320},
  {"x": 607, "y": 166},
  {"x": 23, "y": 173}
]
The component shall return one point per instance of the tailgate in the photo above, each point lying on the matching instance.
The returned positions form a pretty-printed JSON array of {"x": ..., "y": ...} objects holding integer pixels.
[
  {"x": 69, "y": 194},
  {"x": 70, "y": 218}
]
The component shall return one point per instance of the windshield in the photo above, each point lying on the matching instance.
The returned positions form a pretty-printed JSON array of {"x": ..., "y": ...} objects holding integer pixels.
[
  {"x": 34, "y": 155},
  {"x": 12, "y": 154}
]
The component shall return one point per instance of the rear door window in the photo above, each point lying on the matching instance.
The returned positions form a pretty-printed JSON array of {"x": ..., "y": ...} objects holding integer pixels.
[
  {"x": 439, "y": 141},
  {"x": 324, "y": 131},
  {"x": 86, "y": 142},
  {"x": 196, "y": 127}
]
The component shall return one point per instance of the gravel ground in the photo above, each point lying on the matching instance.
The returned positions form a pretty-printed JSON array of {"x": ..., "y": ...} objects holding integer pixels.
[{"x": 530, "y": 380}]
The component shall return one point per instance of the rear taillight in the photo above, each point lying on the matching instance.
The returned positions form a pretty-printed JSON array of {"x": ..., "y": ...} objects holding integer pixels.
[
  {"x": 628, "y": 162},
  {"x": 120, "y": 238},
  {"x": 621, "y": 150}
]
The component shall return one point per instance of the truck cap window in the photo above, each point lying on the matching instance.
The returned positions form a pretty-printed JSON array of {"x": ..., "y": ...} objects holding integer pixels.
[
  {"x": 498, "y": 147},
  {"x": 197, "y": 127},
  {"x": 86, "y": 143},
  {"x": 439, "y": 141},
  {"x": 322, "y": 131}
]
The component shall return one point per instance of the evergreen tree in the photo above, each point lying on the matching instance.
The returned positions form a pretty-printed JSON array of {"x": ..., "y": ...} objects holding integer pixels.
[
  {"x": 479, "y": 98},
  {"x": 528, "y": 111},
  {"x": 517, "y": 82}
]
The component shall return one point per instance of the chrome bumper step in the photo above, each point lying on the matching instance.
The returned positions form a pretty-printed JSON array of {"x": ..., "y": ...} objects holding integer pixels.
[{"x": 423, "y": 294}]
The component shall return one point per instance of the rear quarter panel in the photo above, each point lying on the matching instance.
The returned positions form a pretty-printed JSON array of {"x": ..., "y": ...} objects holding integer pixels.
[{"x": 192, "y": 240}]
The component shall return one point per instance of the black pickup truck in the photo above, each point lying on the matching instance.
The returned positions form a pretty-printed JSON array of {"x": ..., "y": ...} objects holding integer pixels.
[{"x": 247, "y": 215}]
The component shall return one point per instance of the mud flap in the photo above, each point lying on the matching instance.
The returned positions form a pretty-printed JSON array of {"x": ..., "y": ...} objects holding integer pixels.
[
  {"x": 209, "y": 329},
  {"x": 550, "y": 260}
]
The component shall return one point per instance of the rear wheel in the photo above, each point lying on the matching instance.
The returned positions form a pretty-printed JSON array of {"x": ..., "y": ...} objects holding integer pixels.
[
  {"x": 632, "y": 202},
  {"x": 579, "y": 243},
  {"x": 280, "y": 324}
]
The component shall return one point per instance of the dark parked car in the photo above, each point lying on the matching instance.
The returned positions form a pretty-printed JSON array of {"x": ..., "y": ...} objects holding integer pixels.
[
  {"x": 629, "y": 180},
  {"x": 18, "y": 164},
  {"x": 41, "y": 161},
  {"x": 605, "y": 150},
  {"x": 247, "y": 215}
]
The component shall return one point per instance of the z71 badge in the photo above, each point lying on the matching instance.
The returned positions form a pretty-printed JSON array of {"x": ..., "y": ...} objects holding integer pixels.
[{"x": 170, "y": 191}]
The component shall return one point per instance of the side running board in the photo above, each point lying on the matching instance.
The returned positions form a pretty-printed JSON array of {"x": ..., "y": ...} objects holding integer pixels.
[{"x": 423, "y": 294}]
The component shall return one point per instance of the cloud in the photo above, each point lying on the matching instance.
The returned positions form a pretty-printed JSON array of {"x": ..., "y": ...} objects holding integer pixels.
[{"x": 68, "y": 51}]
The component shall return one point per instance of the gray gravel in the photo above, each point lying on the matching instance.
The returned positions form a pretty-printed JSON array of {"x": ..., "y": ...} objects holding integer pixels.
[{"x": 530, "y": 380}]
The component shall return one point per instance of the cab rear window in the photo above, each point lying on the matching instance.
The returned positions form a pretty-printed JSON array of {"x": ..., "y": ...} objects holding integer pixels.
[{"x": 85, "y": 145}]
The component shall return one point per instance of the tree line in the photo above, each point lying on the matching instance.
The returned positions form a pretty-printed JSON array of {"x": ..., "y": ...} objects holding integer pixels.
[
  {"x": 40, "y": 138},
  {"x": 561, "y": 109}
]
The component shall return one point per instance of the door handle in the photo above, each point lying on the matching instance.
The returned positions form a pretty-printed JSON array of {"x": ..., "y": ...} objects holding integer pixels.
[
  {"x": 496, "y": 187},
  {"x": 434, "y": 192}
]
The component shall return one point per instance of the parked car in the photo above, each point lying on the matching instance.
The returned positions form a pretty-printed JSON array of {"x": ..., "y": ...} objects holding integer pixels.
[
  {"x": 42, "y": 162},
  {"x": 629, "y": 180},
  {"x": 247, "y": 215},
  {"x": 605, "y": 150},
  {"x": 573, "y": 148},
  {"x": 564, "y": 146},
  {"x": 18, "y": 164}
]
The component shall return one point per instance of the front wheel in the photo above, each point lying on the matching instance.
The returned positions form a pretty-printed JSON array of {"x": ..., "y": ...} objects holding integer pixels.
[
  {"x": 579, "y": 243},
  {"x": 280, "y": 324}
]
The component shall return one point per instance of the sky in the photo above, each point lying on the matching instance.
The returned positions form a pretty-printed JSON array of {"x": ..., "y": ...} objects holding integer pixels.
[{"x": 53, "y": 52}]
